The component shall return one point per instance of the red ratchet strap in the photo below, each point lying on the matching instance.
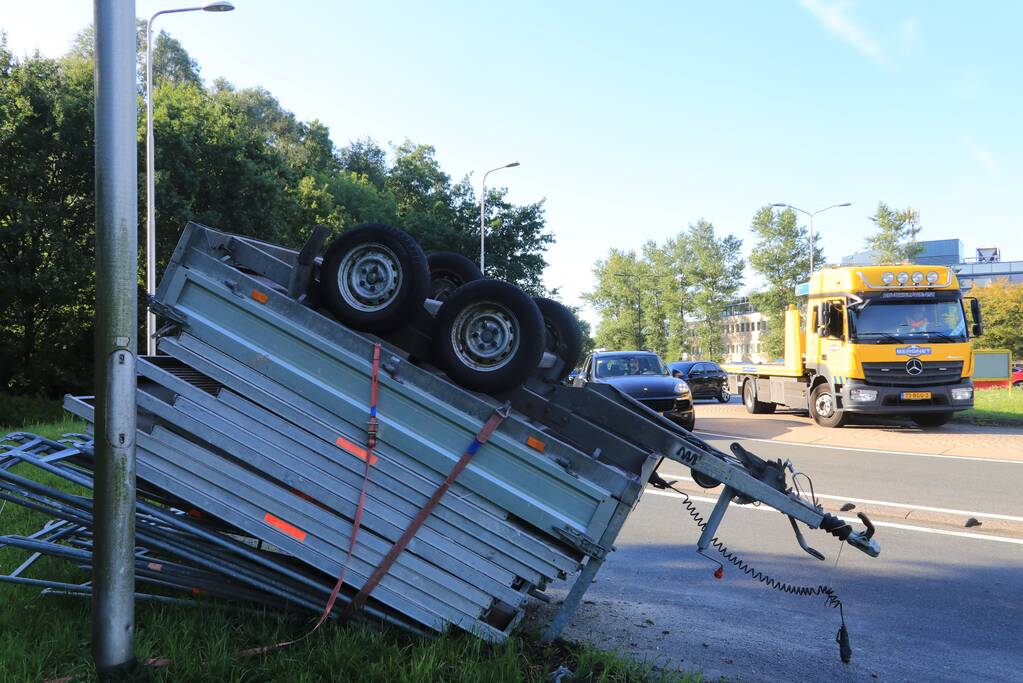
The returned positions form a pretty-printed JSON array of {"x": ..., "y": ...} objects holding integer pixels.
[
  {"x": 371, "y": 442},
  {"x": 481, "y": 438}
]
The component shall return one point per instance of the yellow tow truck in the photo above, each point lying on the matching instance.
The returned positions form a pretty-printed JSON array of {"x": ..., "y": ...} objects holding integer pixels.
[{"x": 878, "y": 340}]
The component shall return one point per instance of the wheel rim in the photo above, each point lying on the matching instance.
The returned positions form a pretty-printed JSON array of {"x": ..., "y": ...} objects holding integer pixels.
[
  {"x": 485, "y": 336},
  {"x": 444, "y": 285},
  {"x": 824, "y": 405},
  {"x": 725, "y": 395},
  {"x": 369, "y": 277},
  {"x": 748, "y": 390}
]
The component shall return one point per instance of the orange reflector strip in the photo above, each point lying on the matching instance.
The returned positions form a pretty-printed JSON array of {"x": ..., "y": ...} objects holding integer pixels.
[
  {"x": 196, "y": 591},
  {"x": 259, "y": 296},
  {"x": 281, "y": 525},
  {"x": 355, "y": 449},
  {"x": 155, "y": 566},
  {"x": 194, "y": 513},
  {"x": 536, "y": 444}
]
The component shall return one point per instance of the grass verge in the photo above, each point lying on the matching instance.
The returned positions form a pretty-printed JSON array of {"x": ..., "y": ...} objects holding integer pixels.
[
  {"x": 47, "y": 637},
  {"x": 995, "y": 406}
]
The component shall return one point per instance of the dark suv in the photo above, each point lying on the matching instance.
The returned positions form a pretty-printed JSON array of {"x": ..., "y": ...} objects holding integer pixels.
[
  {"x": 641, "y": 375},
  {"x": 705, "y": 379}
]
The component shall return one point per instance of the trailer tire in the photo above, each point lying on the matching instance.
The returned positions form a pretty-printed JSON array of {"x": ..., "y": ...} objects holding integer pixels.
[
  {"x": 449, "y": 271},
  {"x": 749, "y": 399},
  {"x": 395, "y": 283},
  {"x": 490, "y": 336},
  {"x": 564, "y": 338},
  {"x": 928, "y": 420},
  {"x": 823, "y": 407}
]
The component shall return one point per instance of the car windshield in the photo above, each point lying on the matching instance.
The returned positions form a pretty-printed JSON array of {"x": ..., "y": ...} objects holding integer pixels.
[
  {"x": 623, "y": 365},
  {"x": 886, "y": 323}
]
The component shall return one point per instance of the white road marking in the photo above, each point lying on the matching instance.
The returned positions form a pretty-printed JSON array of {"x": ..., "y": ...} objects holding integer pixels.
[
  {"x": 893, "y": 525},
  {"x": 904, "y": 506},
  {"x": 736, "y": 437}
]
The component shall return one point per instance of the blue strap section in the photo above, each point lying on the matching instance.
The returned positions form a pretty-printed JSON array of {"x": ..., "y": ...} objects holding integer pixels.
[
  {"x": 373, "y": 411},
  {"x": 473, "y": 447}
]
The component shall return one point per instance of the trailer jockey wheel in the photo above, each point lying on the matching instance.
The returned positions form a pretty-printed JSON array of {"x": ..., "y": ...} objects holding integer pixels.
[
  {"x": 374, "y": 277},
  {"x": 564, "y": 338},
  {"x": 489, "y": 336},
  {"x": 448, "y": 272},
  {"x": 824, "y": 409}
]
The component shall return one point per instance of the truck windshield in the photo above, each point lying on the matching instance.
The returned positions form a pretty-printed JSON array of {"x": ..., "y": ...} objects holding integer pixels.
[
  {"x": 637, "y": 364},
  {"x": 904, "y": 322}
]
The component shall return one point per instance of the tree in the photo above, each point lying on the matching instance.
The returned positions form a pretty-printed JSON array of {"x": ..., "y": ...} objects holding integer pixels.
[
  {"x": 651, "y": 301},
  {"x": 1002, "y": 307},
  {"x": 713, "y": 269},
  {"x": 781, "y": 256},
  {"x": 895, "y": 238}
]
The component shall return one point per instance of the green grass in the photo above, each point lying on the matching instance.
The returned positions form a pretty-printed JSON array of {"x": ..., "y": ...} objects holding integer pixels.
[
  {"x": 995, "y": 407},
  {"x": 45, "y": 637}
]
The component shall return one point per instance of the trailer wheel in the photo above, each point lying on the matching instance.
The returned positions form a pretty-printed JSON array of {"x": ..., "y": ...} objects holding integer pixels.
[
  {"x": 490, "y": 336},
  {"x": 564, "y": 338},
  {"x": 749, "y": 399},
  {"x": 926, "y": 420},
  {"x": 448, "y": 272},
  {"x": 824, "y": 409},
  {"x": 373, "y": 277}
]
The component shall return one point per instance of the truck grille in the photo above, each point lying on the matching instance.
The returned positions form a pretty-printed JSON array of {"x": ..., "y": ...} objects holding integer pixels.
[
  {"x": 894, "y": 374},
  {"x": 660, "y": 405}
]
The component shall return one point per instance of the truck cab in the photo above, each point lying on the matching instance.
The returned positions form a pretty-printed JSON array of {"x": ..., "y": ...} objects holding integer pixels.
[{"x": 880, "y": 340}]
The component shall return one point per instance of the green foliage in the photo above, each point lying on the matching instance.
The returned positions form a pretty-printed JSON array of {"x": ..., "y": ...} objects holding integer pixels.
[
  {"x": 229, "y": 158},
  {"x": 995, "y": 406},
  {"x": 895, "y": 238},
  {"x": 670, "y": 298},
  {"x": 1001, "y": 305},
  {"x": 781, "y": 256}
]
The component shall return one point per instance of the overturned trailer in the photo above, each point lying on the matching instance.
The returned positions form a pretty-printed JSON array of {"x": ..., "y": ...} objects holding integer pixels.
[{"x": 466, "y": 496}]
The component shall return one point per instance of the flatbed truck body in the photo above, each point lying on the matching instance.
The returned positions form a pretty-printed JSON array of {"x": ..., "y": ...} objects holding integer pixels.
[{"x": 879, "y": 340}]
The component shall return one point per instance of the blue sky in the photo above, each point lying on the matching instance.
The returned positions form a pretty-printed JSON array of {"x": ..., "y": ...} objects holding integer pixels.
[{"x": 635, "y": 119}]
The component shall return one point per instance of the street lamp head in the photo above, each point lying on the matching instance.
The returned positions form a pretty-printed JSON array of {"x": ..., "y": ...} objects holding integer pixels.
[
  {"x": 218, "y": 6},
  {"x": 780, "y": 205},
  {"x": 512, "y": 164},
  {"x": 846, "y": 204}
]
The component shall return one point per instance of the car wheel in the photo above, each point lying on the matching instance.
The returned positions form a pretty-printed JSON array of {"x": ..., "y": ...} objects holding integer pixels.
[
  {"x": 488, "y": 336},
  {"x": 749, "y": 399},
  {"x": 824, "y": 408},
  {"x": 373, "y": 277},
  {"x": 448, "y": 272},
  {"x": 563, "y": 337},
  {"x": 926, "y": 420},
  {"x": 723, "y": 396}
]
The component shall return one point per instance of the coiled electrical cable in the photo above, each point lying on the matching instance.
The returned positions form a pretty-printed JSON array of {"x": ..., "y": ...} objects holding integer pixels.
[{"x": 825, "y": 591}]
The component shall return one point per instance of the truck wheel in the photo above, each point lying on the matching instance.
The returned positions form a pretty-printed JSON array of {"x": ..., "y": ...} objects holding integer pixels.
[
  {"x": 931, "y": 419},
  {"x": 448, "y": 272},
  {"x": 373, "y": 277},
  {"x": 824, "y": 409},
  {"x": 490, "y": 336},
  {"x": 564, "y": 338},
  {"x": 749, "y": 399}
]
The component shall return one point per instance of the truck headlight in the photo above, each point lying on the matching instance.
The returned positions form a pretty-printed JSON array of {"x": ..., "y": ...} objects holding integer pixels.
[
  {"x": 681, "y": 388},
  {"x": 918, "y": 277},
  {"x": 962, "y": 393},
  {"x": 932, "y": 277},
  {"x": 863, "y": 395},
  {"x": 902, "y": 278}
]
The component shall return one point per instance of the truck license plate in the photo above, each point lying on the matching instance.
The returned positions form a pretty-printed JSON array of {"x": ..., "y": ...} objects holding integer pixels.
[{"x": 915, "y": 395}]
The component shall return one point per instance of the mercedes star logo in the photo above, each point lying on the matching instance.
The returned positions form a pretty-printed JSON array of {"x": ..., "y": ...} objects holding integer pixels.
[{"x": 914, "y": 366}]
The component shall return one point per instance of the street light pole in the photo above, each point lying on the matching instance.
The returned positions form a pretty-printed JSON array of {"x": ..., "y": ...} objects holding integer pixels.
[
  {"x": 151, "y": 163},
  {"x": 811, "y": 215},
  {"x": 483, "y": 203},
  {"x": 116, "y": 338}
]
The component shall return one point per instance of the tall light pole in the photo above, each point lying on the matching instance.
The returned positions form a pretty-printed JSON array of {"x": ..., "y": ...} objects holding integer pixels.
[
  {"x": 483, "y": 203},
  {"x": 115, "y": 347},
  {"x": 219, "y": 6},
  {"x": 811, "y": 215}
]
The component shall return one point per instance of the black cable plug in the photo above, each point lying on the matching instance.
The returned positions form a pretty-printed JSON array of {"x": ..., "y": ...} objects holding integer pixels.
[{"x": 844, "y": 648}]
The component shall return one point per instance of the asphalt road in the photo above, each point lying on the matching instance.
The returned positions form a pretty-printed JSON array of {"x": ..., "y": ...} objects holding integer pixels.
[{"x": 932, "y": 607}]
